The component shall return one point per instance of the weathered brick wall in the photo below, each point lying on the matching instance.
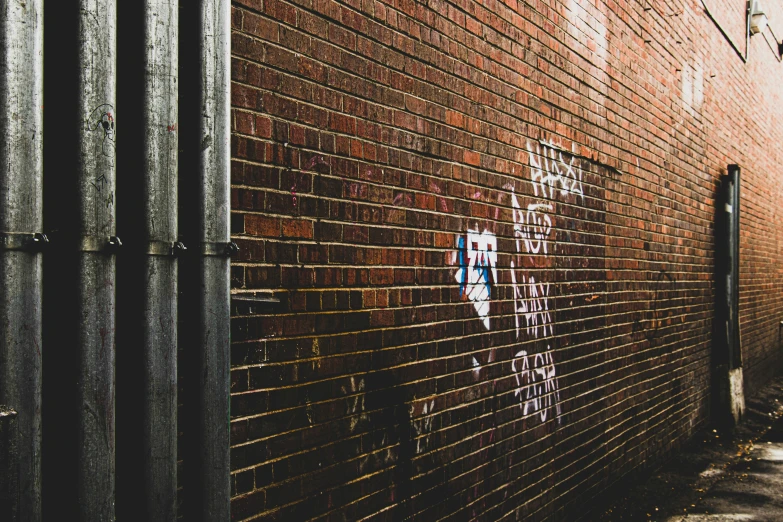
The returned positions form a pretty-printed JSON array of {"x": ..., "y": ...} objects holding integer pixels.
[{"x": 490, "y": 227}]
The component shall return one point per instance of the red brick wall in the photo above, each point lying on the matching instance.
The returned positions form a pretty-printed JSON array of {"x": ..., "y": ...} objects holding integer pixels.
[{"x": 490, "y": 227}]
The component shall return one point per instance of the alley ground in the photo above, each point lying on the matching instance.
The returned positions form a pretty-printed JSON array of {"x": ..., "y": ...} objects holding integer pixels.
[{"x": 719, "y": 477}]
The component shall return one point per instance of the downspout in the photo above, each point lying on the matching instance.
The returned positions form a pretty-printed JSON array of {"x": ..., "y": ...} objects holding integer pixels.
[
  {"x": 214, "y": 250},
  {"x": 729, "y": 404},
  {"x": 159, "y": 332},
  {"x": 97, "y": 245},
  {"x": 734, "y": 340},
  {"x": 733, "y": 330},
  {"x": 21, "y": 222}
]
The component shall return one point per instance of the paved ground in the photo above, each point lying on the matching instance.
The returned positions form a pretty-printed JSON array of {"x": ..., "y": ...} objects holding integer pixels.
[{"x": 719, "y": 477}]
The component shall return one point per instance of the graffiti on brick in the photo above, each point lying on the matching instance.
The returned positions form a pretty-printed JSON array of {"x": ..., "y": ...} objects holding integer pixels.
[
  {"x": 531, "y": 304},
  {"x": 532, "y": 230},
  {"x": 536, "y": 384},
  {"x": 423, "y": 427},
  {"x": 551, "y": 173},
  {"x": 532, "y": 226},
  {"x": 354, "y": 404},
  {"x": 477, "y": 255}
]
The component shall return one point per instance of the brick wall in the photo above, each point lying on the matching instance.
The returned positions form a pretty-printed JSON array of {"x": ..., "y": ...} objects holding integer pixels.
[{"x": 490, "y": 228}]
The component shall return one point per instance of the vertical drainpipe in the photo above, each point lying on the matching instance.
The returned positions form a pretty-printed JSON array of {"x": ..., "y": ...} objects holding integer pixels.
[
  {"x": 160, "y": 270},
  {"x": 215, "y": 247},
  {"x": 97, "y": 244},
  {"x": 214, "y": 264},
  {"x": 736, "y": 387},
  {"x": 21, "y": 219},
  {"x": 729, "y": 402},
  {"x": 733, "y": 331}
]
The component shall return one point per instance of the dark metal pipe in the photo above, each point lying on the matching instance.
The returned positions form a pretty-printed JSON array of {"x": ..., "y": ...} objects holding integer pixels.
[
  {"x": 159, "y": 337},
  {"x": 21, "y": 221},
  {"x": 214, "y": 265},
  {"x": 732, "y": 277},
  {"x": 97, "y": 246}
]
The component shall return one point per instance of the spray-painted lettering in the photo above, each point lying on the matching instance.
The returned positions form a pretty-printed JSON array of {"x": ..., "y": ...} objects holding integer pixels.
[
  {"x": 550, "y": 172},
  {"x": 532, "y": 226},
  {"x": 477, "y": 258},
  {"x": 537, "y": 384},
  {"x": 531, "y": 300}
]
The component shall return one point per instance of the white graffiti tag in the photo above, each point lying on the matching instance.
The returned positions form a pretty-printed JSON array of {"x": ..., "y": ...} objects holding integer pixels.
[
  {"x": 537, "y": 384},
  {"x": 532, "y": 227},
  {"x": 549, "y": 172},
  {"x": 531, "y": 300},
  {"x": 477, "y": 257}
]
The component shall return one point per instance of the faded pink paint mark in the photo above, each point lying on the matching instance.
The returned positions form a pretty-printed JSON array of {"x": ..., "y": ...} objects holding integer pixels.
[
  {"x": 313, "y": 161},
  {"x": 402, "y": 197}
]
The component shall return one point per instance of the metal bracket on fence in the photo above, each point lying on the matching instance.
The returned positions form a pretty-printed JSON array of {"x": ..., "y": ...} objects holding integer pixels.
[
  {"x": 21, "y": 241},
  {"x": 165, "y": 248},
  {"x": 101, "y": 244},
  {"x": 218, "y": 249}
]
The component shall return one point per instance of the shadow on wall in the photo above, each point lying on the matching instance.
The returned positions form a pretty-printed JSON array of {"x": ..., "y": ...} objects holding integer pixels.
[{"x": 392, "y": 418}]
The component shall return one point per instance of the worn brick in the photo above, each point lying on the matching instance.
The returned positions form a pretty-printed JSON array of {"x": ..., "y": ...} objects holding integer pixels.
[{"x": 416, "y": 138}]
